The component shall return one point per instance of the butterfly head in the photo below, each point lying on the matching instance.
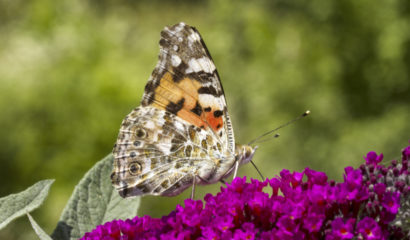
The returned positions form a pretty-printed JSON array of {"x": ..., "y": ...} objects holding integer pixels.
[{"x": 244, "y": 153}]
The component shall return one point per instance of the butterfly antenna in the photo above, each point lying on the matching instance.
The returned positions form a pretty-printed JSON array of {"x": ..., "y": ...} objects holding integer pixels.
[
  {"x": 276, "y": 129},
  {"x": 268, "y": 139}
]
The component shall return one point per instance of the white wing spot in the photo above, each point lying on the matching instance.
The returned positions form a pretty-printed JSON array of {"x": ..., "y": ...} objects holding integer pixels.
[
  {"x": 175, "y": 60},
  {"x": 193, "y": 66},
  {"x": 175, "y": 47},
  {"x": 177, "y": 28},
  {"x": 211, "y": 101},
  {"x": 206, "y": 64},
  {"x": 179, "y": 126},
  {"x": 164, "y": 147},
  {"x": 193, "y": 37},
  {"x": 203, "y": 63},
  {"x": 150, "y": 125}
]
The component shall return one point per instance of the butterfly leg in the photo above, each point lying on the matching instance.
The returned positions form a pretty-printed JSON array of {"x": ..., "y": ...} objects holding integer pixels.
[
  {"x": 236, "y": 169},
  {"x": 193, "y": 188},
  {"x": 202, "y": 180}
]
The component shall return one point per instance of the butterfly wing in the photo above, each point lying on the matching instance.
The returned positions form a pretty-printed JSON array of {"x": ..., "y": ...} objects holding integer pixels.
[
  {"x": 182, "y": 128},
  {"x": 186, "y": 83},
  {"x": 158, "y": 154}
]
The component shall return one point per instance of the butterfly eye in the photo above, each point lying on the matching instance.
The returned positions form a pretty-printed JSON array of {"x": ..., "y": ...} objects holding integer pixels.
[
  {"x": 137, "y": 143},
  {"x": 134, "y": 168},
  {"x": 247, "y": 151},
  {"x": 141, "y": 133}
]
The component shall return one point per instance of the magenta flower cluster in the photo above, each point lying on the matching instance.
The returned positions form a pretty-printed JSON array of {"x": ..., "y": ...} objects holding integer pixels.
[{"x": 369, "y": 204}]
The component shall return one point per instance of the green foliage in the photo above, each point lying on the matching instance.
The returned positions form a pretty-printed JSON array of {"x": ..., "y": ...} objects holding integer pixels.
[
  {"x": 94, "y": 202},
  {"x": 71, "y": 70},
  {"x": 19, "y": 204},
  {"x": 39, "y": 231}
]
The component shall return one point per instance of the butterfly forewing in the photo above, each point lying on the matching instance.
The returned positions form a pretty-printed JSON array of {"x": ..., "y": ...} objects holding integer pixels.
[{"x": 182, "y": 129}]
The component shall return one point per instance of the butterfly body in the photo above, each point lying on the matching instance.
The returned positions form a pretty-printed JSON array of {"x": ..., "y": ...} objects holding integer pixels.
[{"x": 181, "y": 134}]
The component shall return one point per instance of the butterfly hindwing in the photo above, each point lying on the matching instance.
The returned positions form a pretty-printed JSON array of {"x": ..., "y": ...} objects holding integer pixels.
[{"x": 158, "y": 154}]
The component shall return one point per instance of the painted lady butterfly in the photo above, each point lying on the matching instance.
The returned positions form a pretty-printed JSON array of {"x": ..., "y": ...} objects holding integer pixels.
[{"x": 181, "y": 135}]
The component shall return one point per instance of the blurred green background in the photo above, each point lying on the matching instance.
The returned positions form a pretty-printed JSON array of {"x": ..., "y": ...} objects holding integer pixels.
[{"x": 71, "y": 70}]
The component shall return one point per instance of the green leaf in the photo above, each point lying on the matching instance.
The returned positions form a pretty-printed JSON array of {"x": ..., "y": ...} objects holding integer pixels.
[
  {"x": 40, "y": 232},
  {"x": 16, "y": 205},
  {"x": 93, "y": 203}
]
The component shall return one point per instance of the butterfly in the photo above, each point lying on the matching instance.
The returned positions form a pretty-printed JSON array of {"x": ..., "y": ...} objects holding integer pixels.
[{"x": 181, "y": 134}]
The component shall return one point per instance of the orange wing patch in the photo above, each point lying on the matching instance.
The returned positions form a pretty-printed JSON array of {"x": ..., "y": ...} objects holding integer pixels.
[
  {"x": 214, "y": 118},
  {"x": 181, "y": 98},
  {"x": 168, "y": 91}
]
